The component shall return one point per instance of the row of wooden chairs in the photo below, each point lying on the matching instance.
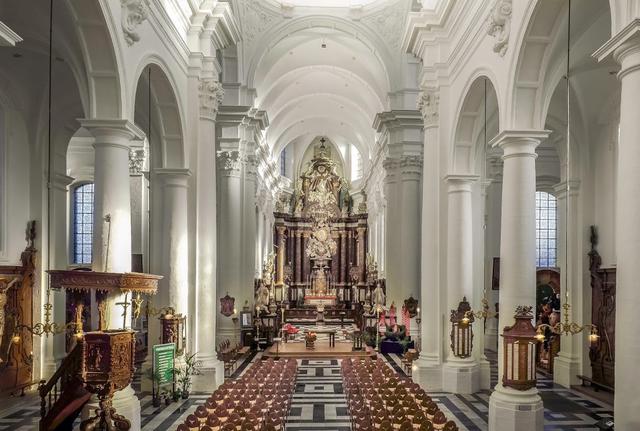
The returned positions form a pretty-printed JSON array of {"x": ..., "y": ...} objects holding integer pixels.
[
  {"x": 407, "y": 360},
  {"x": 230, "y": 356},
  {"x": 379, "y": 399},
  {"x": 257, "y": 401}
]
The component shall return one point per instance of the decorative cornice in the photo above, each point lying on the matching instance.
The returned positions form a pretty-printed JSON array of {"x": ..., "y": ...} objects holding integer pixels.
[
  {"x": 429, "y": 106},
  {"x": 397, "y": 118},
  {"x": 112, "y": 126},
  {"x": 134, "y": 13},
  {"x": 8, "y": 37},
  {"x": 211, "y": 94},
  {"x": 630, "y": 31},
  {"x": 499, "y": 25}
]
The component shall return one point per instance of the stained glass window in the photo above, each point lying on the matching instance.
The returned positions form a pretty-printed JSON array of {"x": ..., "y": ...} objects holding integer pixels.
[
  {"x": 546, "y": 229},
  {"x": 82, "y": 223}
]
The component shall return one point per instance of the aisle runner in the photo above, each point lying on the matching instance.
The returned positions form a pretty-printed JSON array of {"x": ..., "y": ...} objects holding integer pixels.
[{"x": 318, "y": 402}]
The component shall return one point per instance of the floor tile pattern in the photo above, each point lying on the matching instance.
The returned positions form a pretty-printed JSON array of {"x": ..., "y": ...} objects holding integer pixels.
[{"x": 319, "y": 403}]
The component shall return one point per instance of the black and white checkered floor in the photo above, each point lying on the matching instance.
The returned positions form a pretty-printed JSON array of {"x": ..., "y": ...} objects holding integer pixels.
[{"x": 319, "y": 404}]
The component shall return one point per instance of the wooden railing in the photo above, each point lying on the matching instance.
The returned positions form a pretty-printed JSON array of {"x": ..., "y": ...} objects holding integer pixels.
[{"x": 68, "y": 370}]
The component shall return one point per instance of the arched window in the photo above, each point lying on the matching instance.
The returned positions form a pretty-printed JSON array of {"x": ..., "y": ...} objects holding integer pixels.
[
  {"x": 356, "y": 164},
  {"x": 82, "y": 223},
  {"x": 546, "y": 229}
]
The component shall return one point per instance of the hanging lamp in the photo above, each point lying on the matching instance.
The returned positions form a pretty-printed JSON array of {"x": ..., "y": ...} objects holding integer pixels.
[
  {"x": 566, "y": 326},
  {"x": 49, "y": 327}
]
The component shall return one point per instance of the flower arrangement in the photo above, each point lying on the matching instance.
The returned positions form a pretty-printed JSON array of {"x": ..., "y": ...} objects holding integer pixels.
[{"x": 310, "y": 338}]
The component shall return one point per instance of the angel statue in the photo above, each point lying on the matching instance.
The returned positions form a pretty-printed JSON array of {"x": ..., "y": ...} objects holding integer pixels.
[{"x": 262, "y": 297}]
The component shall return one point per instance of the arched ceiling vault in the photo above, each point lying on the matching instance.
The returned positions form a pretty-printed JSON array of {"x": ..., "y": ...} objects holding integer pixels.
[{"x": 319, "y": 80}]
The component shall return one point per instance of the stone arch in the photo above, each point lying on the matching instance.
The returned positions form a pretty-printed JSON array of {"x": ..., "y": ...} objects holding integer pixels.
[
  {"x": 103, "y": 64},
  {"x": 470, "y": 123},
  {"x": 540, "y": 53},
  {"x": 166, "y": 115}
]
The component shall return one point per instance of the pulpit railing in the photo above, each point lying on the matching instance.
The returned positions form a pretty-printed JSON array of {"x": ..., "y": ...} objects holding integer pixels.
[{"x": 70, "y": 368}]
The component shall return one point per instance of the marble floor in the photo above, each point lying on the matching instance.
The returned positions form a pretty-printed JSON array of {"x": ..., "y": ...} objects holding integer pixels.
[{"x": 319, "y": 404}]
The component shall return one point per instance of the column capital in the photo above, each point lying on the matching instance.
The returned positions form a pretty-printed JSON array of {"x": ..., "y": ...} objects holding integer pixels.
[
  {"x": 173, "y": 177},
  {"x": 461, "y": 182},
  {"x": 429, "y": 105},
  {"x": 519, "y": 143},
  {"x": 137, "y": 159},
  {"x": 210, "y": 94},
  {"x": 229, "y": 162},
  {"x": 114, "y": 132}
]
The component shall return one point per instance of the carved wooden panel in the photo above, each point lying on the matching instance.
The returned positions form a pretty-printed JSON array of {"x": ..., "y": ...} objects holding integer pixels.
[
  {"x": 16, "y": 360},
  {"x": 603, "y": 313}
]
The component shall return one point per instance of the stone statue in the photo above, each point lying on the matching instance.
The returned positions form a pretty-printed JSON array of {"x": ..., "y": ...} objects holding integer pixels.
[
  {"x": 262, "y": 297},
  {"x": 379, "y": 297}
]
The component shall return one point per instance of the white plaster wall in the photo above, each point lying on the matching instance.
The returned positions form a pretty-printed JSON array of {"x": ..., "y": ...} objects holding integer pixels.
[{"x": 16, "y": 180}]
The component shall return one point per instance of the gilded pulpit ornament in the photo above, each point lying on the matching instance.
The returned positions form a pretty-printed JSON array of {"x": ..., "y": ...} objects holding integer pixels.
[{"x": 227, "y": 305}]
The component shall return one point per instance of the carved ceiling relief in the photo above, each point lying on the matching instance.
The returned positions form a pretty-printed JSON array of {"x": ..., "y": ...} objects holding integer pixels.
[
  {"x": 134, "y": 13},
  {"x": 499, "y": 25},
  {"x": 255, "y": 20},
  {"x": 389, "y": 23}
]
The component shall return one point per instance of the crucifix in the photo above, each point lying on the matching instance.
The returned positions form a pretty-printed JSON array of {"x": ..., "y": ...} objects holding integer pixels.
[{"x": 125, "y": 304}]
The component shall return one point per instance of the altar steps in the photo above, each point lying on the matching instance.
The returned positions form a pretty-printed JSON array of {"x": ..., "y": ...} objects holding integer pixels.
[{"x": 322, "y": 350}]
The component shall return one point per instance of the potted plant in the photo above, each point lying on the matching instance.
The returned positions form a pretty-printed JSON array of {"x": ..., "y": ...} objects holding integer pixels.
[
  {"x": 157, "y": 395},
  {"x": 185, "y": 374}
]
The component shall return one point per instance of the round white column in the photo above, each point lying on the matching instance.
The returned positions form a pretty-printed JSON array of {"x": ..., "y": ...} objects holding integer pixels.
[
  {"x": 428, "y": 367},
  {"x": 175, "y": 239},
  {"x": 459, "y": 375},
  {"x": 112, "y": 205},
  {"x": 627, "y": 379},
  {"x": 230, "y": 278},
  {"x": 112, "y": 239},
  {"x": 511, "y": 409},
  {"x": 206, "y": 238}
]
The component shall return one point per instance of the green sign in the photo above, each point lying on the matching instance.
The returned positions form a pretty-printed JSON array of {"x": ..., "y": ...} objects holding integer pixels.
[{"x": 164, "y": 362}]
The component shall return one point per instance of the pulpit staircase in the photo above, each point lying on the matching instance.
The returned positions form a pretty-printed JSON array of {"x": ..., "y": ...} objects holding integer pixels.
[{"x": 63, "y": 396}]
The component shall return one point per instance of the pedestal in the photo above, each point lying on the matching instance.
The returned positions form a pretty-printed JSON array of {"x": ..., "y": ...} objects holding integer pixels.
[
  {"x": 485, "y": 374},
  {"x": 566, "y": 370},
  {"x": 515, "y": 410},
  {"x": 428, "y": 374},
  {"x": 461, "y": 377}
]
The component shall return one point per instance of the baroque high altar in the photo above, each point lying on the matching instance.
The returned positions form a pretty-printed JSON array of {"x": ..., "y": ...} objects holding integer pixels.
[{"x": 320, "y": 243}]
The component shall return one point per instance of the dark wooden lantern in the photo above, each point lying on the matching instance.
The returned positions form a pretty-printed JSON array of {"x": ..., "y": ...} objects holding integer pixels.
[
  {"x": 519, "y": 371},
  {"x": 462, "y": 330},
  {"x": 173, "y": 330}
]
